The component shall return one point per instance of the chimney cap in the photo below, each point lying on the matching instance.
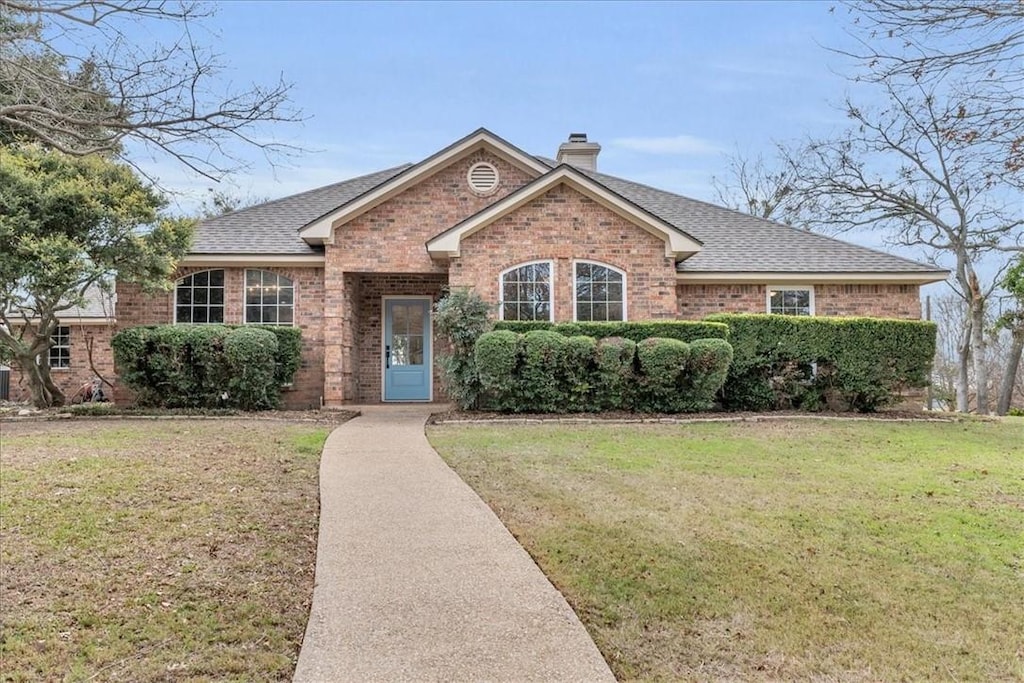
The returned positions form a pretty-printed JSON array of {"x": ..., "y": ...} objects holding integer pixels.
[{"x": 577, "y": 137}]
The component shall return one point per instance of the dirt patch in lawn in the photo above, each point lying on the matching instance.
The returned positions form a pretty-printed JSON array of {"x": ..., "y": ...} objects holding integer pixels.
[{"x": 148, "y": 550}]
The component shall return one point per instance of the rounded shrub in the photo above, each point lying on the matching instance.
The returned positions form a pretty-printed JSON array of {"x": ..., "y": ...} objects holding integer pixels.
[
  {"x": 616, "y": 378},
  {"x": 496, "y": 357},
  {"x": 541, "y": 385},
  {"x": 249, "y": 354},
  {"x": 706, "y": 370},
  {"x": 580, "y": 378},
  {"x": 662, "y": 363}
]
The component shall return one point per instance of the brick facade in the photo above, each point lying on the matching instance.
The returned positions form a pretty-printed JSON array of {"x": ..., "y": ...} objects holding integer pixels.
[
  {"x": 868, "y": 300},
  {"x": 564, "y": 225},
  {"x": 382, "y": 253},
  {"x": 134, "y": 307}
]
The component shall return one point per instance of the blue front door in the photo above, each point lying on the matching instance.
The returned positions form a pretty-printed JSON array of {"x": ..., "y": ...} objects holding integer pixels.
[{"x": 407, "y": 350}]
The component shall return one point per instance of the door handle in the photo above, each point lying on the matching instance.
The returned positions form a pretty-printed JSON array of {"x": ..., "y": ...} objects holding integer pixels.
[{"x": 387, "y": 357}]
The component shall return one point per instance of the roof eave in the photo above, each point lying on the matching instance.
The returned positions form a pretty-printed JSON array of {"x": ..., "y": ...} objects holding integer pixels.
[{"x": 820, "y": 277}]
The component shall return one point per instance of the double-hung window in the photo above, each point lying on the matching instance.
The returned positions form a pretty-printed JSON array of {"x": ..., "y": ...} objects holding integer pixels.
[
  {"x": 269, "y": 298},
  {"x": 60, "y": 348}
]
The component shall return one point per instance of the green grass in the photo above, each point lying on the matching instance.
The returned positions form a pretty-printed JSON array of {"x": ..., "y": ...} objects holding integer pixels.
[
  {"x": 798, "y": 550},
  {"x": 156, "y": 550}
]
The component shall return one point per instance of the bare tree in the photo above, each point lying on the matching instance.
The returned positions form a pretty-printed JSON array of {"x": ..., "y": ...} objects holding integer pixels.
[
  {"x": 76, "y": 76},
  {"x": 971, "y": 48},
  {"x": 910, "y": 169},
  {"x": 221, "y": 202},
  {"x": 764, "y": 188}
]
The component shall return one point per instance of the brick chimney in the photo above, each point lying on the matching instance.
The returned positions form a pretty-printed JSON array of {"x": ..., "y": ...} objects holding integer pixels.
[{"x": 578, "y": 152}]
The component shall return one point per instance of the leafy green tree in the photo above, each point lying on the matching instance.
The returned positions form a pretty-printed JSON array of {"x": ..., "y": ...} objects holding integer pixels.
[
  {"x": 69, "y": 225},
  {"x": 1013, "y": 321}
]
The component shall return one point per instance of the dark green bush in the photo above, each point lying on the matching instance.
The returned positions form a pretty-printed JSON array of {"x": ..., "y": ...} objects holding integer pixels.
[
  {"x": 706, "y": 371},
  {"x": 195, "y": 366},
  {"x": 817, "y": 362},
  {"x": 662, "y": 363},
  {"x": 543, "y": 371},
  {"x": 460, "y": 317},
  {"x": 250, "y": 355},
  {"x": 497, "y": 356},
  {"x": 683, "y": 330},
  {"x": 580, "y": 373},
  {"x": 616, "y": 375}
]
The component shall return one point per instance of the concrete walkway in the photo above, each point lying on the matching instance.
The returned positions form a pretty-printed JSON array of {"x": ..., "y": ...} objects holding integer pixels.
[{"x": 417, "y": 580}]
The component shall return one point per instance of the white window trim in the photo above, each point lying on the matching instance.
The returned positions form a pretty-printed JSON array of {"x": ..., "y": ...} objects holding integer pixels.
[
  {"x": 174, "y": 296},
  {"x": 551, "y": 286},
  {"x": 625, "y": 297},
  {"x": 245, "y": 294},
  {"x": 768, "y": 289},
  {"x": 58, "y": 368}
]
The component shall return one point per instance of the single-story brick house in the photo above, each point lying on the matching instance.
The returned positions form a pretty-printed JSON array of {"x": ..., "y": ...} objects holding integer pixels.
[{"x": 356, "y": 265}]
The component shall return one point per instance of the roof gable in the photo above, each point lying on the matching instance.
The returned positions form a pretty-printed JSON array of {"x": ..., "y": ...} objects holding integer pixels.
[
  {"x": 321, "y": 229},
  {"x": 678, "y": 244}
]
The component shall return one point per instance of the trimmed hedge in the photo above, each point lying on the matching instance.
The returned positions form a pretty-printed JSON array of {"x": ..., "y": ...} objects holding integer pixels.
[
  {"x": 207, "y": 366},
  {"x": 820, "y": 362},
  {"x": 683, "y": 330},
  {"x": 544, "y": 371}
]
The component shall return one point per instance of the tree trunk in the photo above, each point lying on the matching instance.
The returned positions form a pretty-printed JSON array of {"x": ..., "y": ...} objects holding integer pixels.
[
  {"x": 979, "y": 345},
  {"x": 45, "y": 394},
  {"x": 963, "y": 376},
  {"x": 1012, "y": 365}
]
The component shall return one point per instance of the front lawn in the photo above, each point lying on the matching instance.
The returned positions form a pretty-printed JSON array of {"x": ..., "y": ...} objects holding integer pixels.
[
  {"x": 794, "y": 550},
  {"x": 156, "y": 550}
]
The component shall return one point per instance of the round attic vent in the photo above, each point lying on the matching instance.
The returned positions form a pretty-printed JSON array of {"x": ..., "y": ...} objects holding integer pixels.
[{"x": 482, "y": 178}]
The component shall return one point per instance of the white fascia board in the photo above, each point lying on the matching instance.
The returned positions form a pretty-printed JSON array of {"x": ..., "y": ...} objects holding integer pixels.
[
  {"x": 69, "y": 321},
  {"x": 230, "y": 260},
  {"x": 322, "y": 230},
  {"x": 677, "y": 244},
  {"x": 775, "y": 278}
]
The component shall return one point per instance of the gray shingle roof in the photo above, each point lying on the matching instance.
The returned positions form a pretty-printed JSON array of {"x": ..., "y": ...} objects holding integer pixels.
[
  {"x": 273, "y": 228},
  {"x": 738, "y": 242},
  {"x": 733, "y": 241}
]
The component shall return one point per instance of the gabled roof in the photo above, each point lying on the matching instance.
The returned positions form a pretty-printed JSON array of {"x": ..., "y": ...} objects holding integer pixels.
[
  {"x": 273, "y": 228},
  {"x": 677, "y": 243},
  {"x": 320, "y": 230},
  {"x": 732, "y": 245},
  {"x": 735, "y": 242}
]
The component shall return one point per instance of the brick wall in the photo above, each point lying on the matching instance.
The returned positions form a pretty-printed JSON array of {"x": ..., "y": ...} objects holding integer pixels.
[
  {"x": 697, "y": 301},
  {"x": 882, "y": 300},
  {"x": 137, "y": 308},
  {"x": 391, "y": 238},
  {"x": 563, "y": 225},
  {"x": 367, "y": 353},
  {"x": 70, "y": 379}
]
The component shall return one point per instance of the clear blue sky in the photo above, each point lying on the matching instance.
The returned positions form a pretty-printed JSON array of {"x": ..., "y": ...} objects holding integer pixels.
[{"x": 666, "y": 88}]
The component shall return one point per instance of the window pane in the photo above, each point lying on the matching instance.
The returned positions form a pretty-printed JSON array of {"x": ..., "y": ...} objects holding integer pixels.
[
  {"x": 216, "y": 278},
  {"x": 183, "y": 295},
  {"x": 201, "y": 279},
  {"x": 200, "y": 296},
  {"x": 270, "y": 315},
  {"x": 216, "y": 314},
  {"x": 615, "y": 311},
  {"x": 252, "y": 278},
  {"x": 184, "y": 314},
  {"x": 415, "y": 350},
  {"x": 286, "y": 297},
  {"x": 217, "y": 296},
  {"x": 252, "y": 314},
  {"x": 200, "y": 315},
  {"x": 284, "y": 315}
]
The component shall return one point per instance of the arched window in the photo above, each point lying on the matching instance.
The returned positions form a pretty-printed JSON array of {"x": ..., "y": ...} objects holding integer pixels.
[
  {"x": 269, "y": 298},
  {"x": 526, "y": 292},
  {"x": 199, "y": 298},
  {"x": 600, "y": 292}
]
